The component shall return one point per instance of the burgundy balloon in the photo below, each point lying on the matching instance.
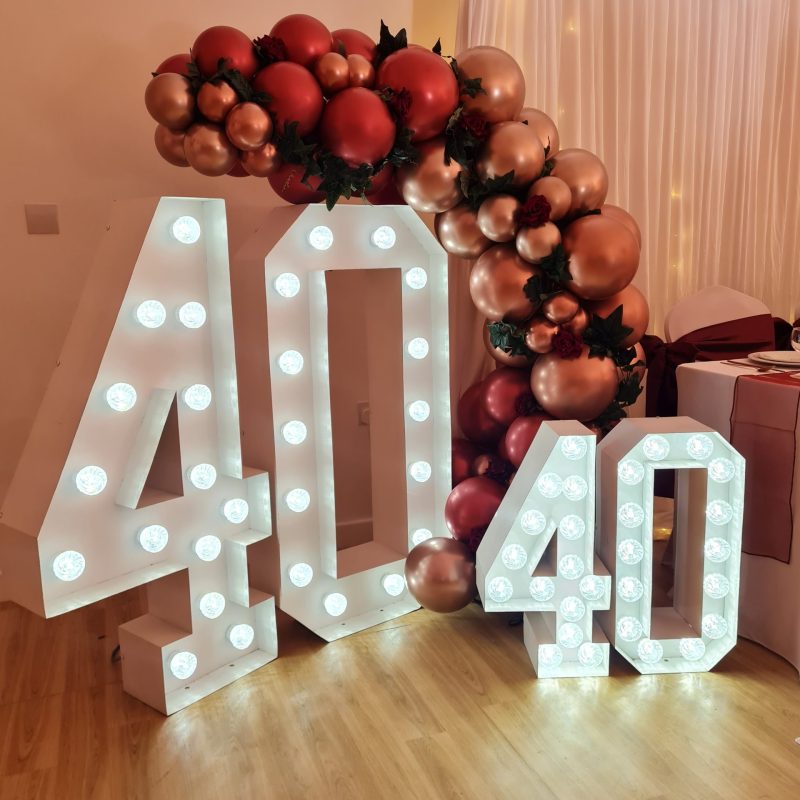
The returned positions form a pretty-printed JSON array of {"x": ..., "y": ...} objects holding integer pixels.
[
  {"x": 354, "y": 43},
  {"x": 464, "y": 453},
  {"x": 294, "y": 95},
  {"x": 521, "y": 434},
  {"x": 178, "y": 63},
  {"x": 503, "y": 390},
  {"x": 440, "y": 574},
  {"x": 305, "y": 37},
  {"x": 475, "y": 423},
  {"x": 471, "y": 506},
  {"x": 287, "y": 183}
]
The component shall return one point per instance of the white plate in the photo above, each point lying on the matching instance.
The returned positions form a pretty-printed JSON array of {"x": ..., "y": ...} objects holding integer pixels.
[{"x": 777, "y": 357}]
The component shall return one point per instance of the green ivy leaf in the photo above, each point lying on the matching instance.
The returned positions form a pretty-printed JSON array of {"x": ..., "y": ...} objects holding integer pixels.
[
  {"x": 472, "y": 87},
  {"x": 476, "y": 191},
  {"x": 549, "y": 164},
  {"x": 604, "y": 335},
  {"x": 556, "y": 265},
  {"x": 403, "y": 153},
  {"x": 389, "y": 43},
  {"x": 437, "y": 48},
  {"x": 292, "y": 148},
  {"x": 539, "y": 288},
  {"x": 508, "y": 338}
]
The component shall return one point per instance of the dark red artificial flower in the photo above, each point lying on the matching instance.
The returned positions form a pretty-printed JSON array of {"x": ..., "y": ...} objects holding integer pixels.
[
  {"x": 475, "y": 125},
  {"x": 399, "y": 103},
  {"x": 499, "y": 470},
  {"x": 567, "y": 344},
  {"x": 272, "y": 48},
  {"x": 534, "y": 212}
]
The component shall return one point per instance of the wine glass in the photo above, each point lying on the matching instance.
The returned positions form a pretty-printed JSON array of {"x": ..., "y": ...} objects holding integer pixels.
[{"x": 794, "y": 338}]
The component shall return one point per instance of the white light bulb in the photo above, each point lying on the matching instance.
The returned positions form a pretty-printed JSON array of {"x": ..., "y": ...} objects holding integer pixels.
[
  {"x": 514, "y": 556},
  {"x": 421, "y": 535},
  {"x": 192, "y": 314},
  {"x": 212, "y": 605},
  {"x": 550, "y": 655},
  {"x": 719, "y": 512},
  {"x": 208, "y": 547},
  {"x": 630, "y": 551},
  {"x": 572, "y": 609},
  {"x": 290, "y": 362},
  {"x": 592, "y": 587},
  {"x": 574, "y": 488},
  {"x": 572, "y": 527},
  {"x": 630, "y": 471},
  {"x": 241, "y": 636},
  {"x": 656, "y": 448},
  {"x": 383, "y": 237},
  {"x": 236, "y": 510},
  {"x": 335, "y": 604},
  {"x": 301, "y": 574},
  {"x": 574, "y": 447},
  {"x": 418, "y": 348},
  {"x": 186, "y": 230},
  {"x": 590, "y": 654},
  {"x": 393, "y": 584},
  {"x": 69, "y": 565},
  {"x": 294, "y": 432},
  {"x": 182, "y": 665},
  {"x": 419, "y": 410},
  {"x": 203, "y": 476},
  {"x": 721, "y": 470},
  {"x": 714, "y": 626},
  {"x": 416, "y": 278},
  {"x": 699, "y": 446},
  {"x": 420, "y": 471},
  {"x": 571, "y": 567},
  {"x": 716, "y": 585},
  {"x": 651, "y": 652},
  {"x": 121, "y": 397},
  {"x": 630, "y": 589},
  {"x": 570, "y": 635},
  {"x": 91, "y": 480},
  {"x": 717, "y": 550},
  {"x": 197, "y": 397},
  {"x": 631, "y": 515},
  {"x": 153, "y": 538},
  {"x": 298, "y": 500},
  {"x": 321, "y": 237},
  {"x": 287, "y": 284},
  {"x": 692, "y": 649},
  {"x": 151, "y": 314},
  {"x": 500, "y": 590},
  {"x": 542, "y": 589},
  {"x": 630, "y": 629},
  {"x": 549, "y": 485},
  {"x": 533, "y": 522}
]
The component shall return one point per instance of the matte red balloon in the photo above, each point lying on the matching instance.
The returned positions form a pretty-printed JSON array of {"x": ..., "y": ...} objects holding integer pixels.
[
  {"x": 354, "y": 43},
  {"x": 305, "y": 37},
  {"x": 357, "y": 126},
  {"x": 287, "y": 182},
  {"x": 380, "y": 181},
  {"x": 222, "y": 41},
  {"x": 503, "y": 391},
  {"x": 520, "y": 434},
  {"x": 178, "y": 63},
  {"x": 464, "y": 453},
  {"x": 295, "y": 95},
  {"x": 471, "y": 506},
  {"x": 433, "y": 88},
  {"x": 475, "y": 423}
]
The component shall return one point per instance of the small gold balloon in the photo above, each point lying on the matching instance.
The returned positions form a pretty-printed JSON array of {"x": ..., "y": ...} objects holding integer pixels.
[
  {"x": 561, "y": 307},
  {"x": 585, "y": 175},
  {"x": 578, "y": 324},
  {"x": 430, "y": 185},
  {"x": 248, "y": 126},
  {"x": 332, "y": 72},
  {"x": 215, "y": 100},
  {"x": 170, "y": 145},
  {"x": 497, "y": 284},
  {"x": 208, "y": 150},
  {"x": 544, "y": 127},
  {"x": 262, "y": 162},
  {"x": 502, "y": 82},
  {"x": 534, "y": 244},
  {"x": 170, "y": 101},
  {"x": 557, "y": 193},
  {"x": 635, "y": 312},
  {"x": 621, "y": 215},
  {"x": 497, "y": 217},
  {"x": 511, "y": 146},
  {"x": 457, "y": 230},
  {"x": 361, "y": 71},
  {"x": 500, "y": 355},
  {"x": 539, "y": 335}
]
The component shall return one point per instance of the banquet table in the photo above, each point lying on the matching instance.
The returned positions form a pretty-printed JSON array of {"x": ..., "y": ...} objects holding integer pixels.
[{"x": 769, "y": 601}]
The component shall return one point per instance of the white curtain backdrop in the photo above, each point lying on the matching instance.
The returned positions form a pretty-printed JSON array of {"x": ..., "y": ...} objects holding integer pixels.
[{"x": 694, "y": 106}]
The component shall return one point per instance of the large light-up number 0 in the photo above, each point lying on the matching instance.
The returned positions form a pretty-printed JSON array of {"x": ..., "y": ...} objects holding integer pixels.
[{"x": 550, "y": 501}]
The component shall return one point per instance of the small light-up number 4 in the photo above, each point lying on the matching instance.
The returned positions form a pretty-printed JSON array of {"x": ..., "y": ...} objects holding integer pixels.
[{"x": 552, "y": 497}]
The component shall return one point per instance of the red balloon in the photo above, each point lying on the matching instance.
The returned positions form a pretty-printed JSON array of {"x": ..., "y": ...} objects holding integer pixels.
[
  {"x": 475, "y": 423},
  {"x": 354, "y": 43},
  {"x": 287, "y": 183},
  {"x": 471, "y": 506},
  {"x": 295, "y": 95},
  {"x": 388, "y": 195},
  {"x": 357, "y": 126},
  {"x": 380, "y": 181},
  {"x": 178, "y": 63},
  {"x": 433, "y": 88},
  {"x": 222, "y": 41},
  {"x": 503, "y": 391},
  {"x": 305, "y": 37},
  {"x": 520, "y": 434},
  {"x": 238, "y": 171},
  {"x": 502, "y": 450},
  {"x": 464, "y": 453}
]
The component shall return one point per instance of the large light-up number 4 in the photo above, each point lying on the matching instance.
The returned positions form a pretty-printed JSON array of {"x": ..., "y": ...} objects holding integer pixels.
[
  {"x": 699, "y": 628},
  {"x": 551, "y": 499}
]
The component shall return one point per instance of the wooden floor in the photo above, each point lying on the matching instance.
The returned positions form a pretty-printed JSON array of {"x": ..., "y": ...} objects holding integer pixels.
[{"x": 424, "y": 707}]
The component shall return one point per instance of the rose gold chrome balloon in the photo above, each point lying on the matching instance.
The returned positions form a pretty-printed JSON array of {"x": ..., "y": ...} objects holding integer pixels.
[
  {"x": 501, "y": 357},
  {"x": 262, "y": 162},
  {"x": 430, "y": 185},
  {"x": 215, "y": 100},
  {"x": 511, "y": 146},
  {"x": 585, "y": 175},
  {"x": 170, "y": 145},
  {"x": 574, "y": 388},
  {"x": 332, "y": 72},
  {"x": 497, "y": 284},
  {"x": 603, "y": 256},
  {"x": 440, "y": 574},
  {"x": 248, "y": 126},
  {"x": 534, "y": 244},
  {"x": 170, "y": 101},
  {"x": 544, "y": 127},
  {"x": 497, "y": 217},
  {"x": 208, "y": 150},
  {"x": 561, "y": 308},
  {"x": 621, "y": 215},
  {"x": 539, "y": 335},
  {"x": 501, "y": 79},
  {"x": 578, "y": 324},
  {"x": 458, "y": 232},
  {"x": 361, "y": 71},
  {"x": 557, "y": 193},
  {"x": 635, "y": 311}
]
